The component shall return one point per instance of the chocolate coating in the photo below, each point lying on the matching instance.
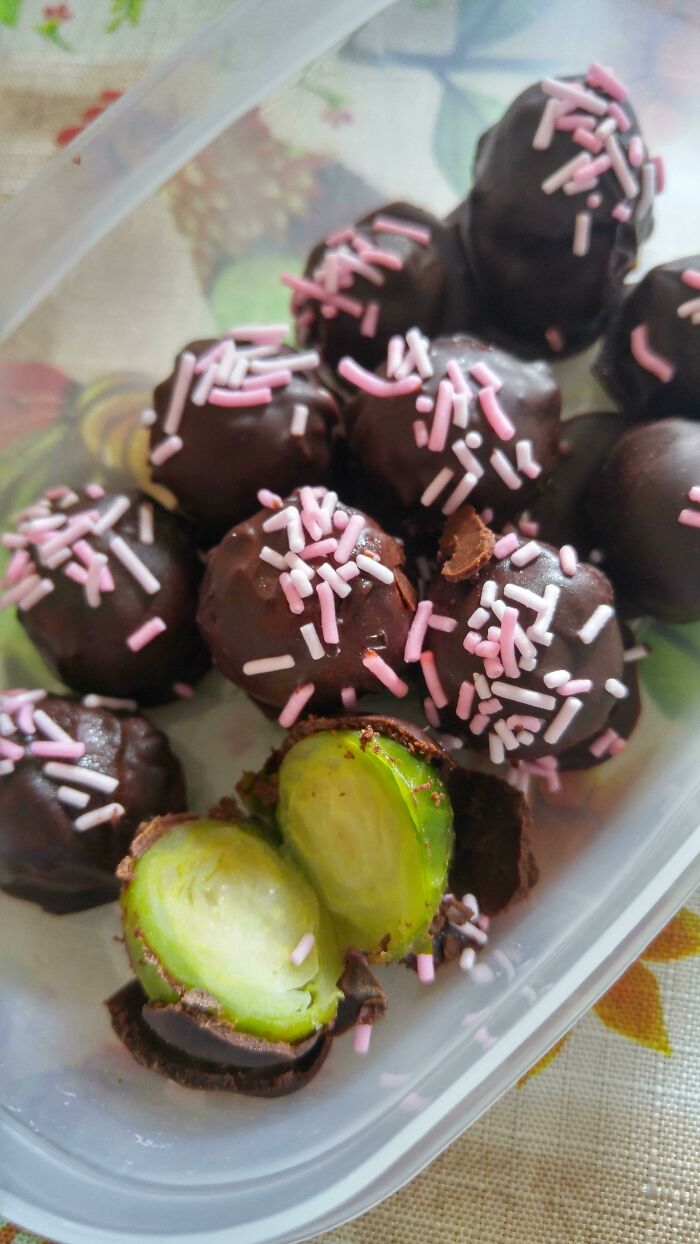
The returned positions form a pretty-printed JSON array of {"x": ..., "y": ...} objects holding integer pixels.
[
  {"x": 429, "y": 291},
  {"x": 87, "y": 646},
  {"x": 560, "y": 509},
  {"x": 244, "y": 616},
  {"x": 392, "y": 471},
  {"x": 579, "y": 596},
  {"x": 162, "y": 1039},
  {"x": 634, "y": 503},
  {"x": 228, "y": 451},
  {"x": 43, "y": 858},
  {"x": 654, "y": 302},
  {"x": 623, "y": 719},
  {"x": 519, "y": 240}
]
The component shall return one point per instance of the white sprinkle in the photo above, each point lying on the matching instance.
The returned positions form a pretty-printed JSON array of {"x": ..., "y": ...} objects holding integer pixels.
[
  {"x": 272, "y": 558},
  {"x": 506, "y": 735},
  {"x": 598, "y": 619},
  {"x": 503, "y": 467},
  {"x": 42, "y": 589},
  {"x": 116, "y": 510},
  {"x": 545, "y": 130},
  {"x": 81, "y": 776},
  {"x": 467, "y": 959},
  {"x": 295, "y": 562},
  {"x": 606, "y": 128},
  {"x": 646, "y": 198},
  {"x": 526, "y": 553},
  {"x": 525, "y": 460},
  {"x": 489, "y": 592},
  {"x": 582, "y": 234},
  {"x": 279, "y": 519},
  {"x": 302, "y": 583},
  {"x": 300, "y": 415},
  {"x": 565, "y": 172},
  {"x": 467, "y": 458},
  {"x": 293, "y": 362},
  {"x": 524, "y": 645},
  {"x": 479, "y": 617},
  {"x": 302, "y": 949},
  {"x": 374, "y": 568},
  {"x": 421, "y": 359},
  {"x": 269, "y": 665},
  {"x": 185, "y": 372},
  {"x": 460, "y": 410},
  {"x": 312, "y": 641},
  {"x": 340, "y": 587},
  {"x": 616, "y": 688},
  {"x": 203, "y": 387},
  {"x": 99, "y": 816},
  {"x": 436, "y": 486},
  {"x": 556, "y": 678},
  {"x": 146, "y": 523},
  {"x": 459, "y": 495},
  {"x": 134, "y": 565},
  {"x": 25, "y": 587},
  {"x": 74, "y": 798},
  {"x": 50, "y": 728},
  {"x": 482, "y": 687},
  {"x": 563, "y": 720},
  {"x": 295, "y": 534},
  {"x": 92, "y": 580},
  {"x": 629, "y": 184},
  {"x": 497, "y": 751},
  {"x": 472, "y": 931},
  {"x": 107, "y": 701},
  {"x": 637, "y": 653},
  {"x": 7, "y": 725},
  {"x": 167, "y": 449},
  {"x": 148, "y": 418},
  {"x": 6, "y": 768},
  {"x": 506, "y": 691}
]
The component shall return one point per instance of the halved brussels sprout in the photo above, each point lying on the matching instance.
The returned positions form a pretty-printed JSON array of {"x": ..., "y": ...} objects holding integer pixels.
[
  {"x": 211, "y": 907},
  {"x": 371, "y": 824}
]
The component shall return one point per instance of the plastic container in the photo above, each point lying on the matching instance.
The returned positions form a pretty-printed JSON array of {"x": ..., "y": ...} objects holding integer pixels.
[{"x": 98, "y": 279}]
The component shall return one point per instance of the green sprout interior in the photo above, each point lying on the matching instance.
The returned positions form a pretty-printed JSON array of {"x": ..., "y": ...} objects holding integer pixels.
[
  {"x": 372, "y": 827},
  {"x": 222, "y": 911}
]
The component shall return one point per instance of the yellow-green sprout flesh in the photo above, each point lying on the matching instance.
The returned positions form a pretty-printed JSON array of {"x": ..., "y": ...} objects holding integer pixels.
[
  {"x": 222, "y": 911},
  {"x": 371, "y": 824}
]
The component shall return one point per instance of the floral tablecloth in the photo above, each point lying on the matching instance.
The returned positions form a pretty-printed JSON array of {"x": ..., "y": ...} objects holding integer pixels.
[{"x": 602, "y": 1140}]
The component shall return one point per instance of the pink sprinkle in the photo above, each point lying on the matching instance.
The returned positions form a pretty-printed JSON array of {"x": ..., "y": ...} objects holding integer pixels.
[
  {"x": 395, "y": 356},
  {"x": 496, "y": 416},
  {"x": 183, "y": 690},
  {"x": 425, "y": 968},
  {"x": 380, "y": 258},
  {"x": 456, "y": 375},
  {"x": 578, "y": 95},
  {"x": 348, "y": 697},
  {"x": 575, "y": 686},
  {"x": 525, "y": 460},
  {"x": 691, "y": 277},
  {"x": 694, "y": 494},
  {"x": 178, "y": 393},
  {"x": 18, "y": 564},
  {"x": 11, "y": 751},
  {"x": 618, "y": 745},
  {"x": 167, "y": 449},
  {"x": 332, "y": 302},
  {"x": 384, "y": 673},
  {"x": 465, "y": 700},
  {"x": 575, "y": 121},
  {"x": 622, "y": 212},
  {"x": 658, "y": 162},
  {"x": 528, "y": 527},
  {"x": 689, "y": 518},
  {"x": 505, "y": 546},
  {"x": 442, "y": 417},
  {"x": 295, "y": 705},
  {"x": 603, "y": 743},
  {"x": 329, "y": 624},
  {"x": 432, "y": 679},
  {"x": 483, "y": 375},
  {"x": 361, "y": 1038},
  {"x": 555, "y": 339},
  {"x": 269, "y": 500},
  {"x": 492, "y": 667},
  {"x": 26, "y": 722},
  {"x": 478, "y": 723},
  {"x": 239, "y": 397},
  {"x": 593, "y": 201},
  {"x": 636, "y": 151},
  {"x": 303, "y": 949},
  {"x": 594, "y": 169},
  {"x": 431, "y": 714},
  {"x": 212, "y": 355},
  {"x": 420, "y": 433},
  {"x": 349, "y": 539},
  {"x": 55, "y": 750},
  {"x": 340, "y": 520},
  {"x": 417, "y": 632},
  {"x": 322, "y": 548},
  {"x": 271, "y": 379},
  {"x": 509, "y": 621},
  {"x": 568, "y": 560},
  {"x": 607, "y": 81},
  {"x": 620, "y": 118},
  {"x": 75, "y": 572},
  {"x": 440, "y": 622},
  {"x": 369, "y": 383},
  {"x": 293, "y": 598},
  {"x": 403, "y": 228},
  {"x": 11, "y": 540},
  {"x": 340, "y": 236},
  {"x": 349, "y": 571},
  {"x": 145, "y": 634},
  {"x": 370, "y": 320},
  {"x": 648, "y": 358},
  {"x": 488, "y": 650},
  {"x": 584, "y": 138}
]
